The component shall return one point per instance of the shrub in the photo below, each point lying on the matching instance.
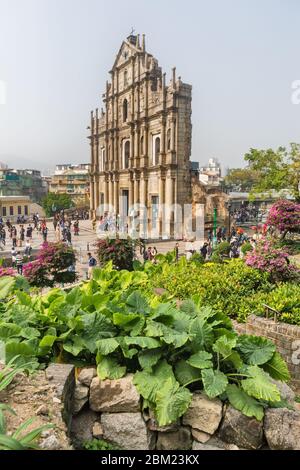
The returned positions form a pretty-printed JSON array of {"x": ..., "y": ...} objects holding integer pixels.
[
  {"x": 223, "y": 249},
  {"x": 267, "y": 258},
  {"x": 285, "y": 299},
  {"x": 222, "y": 286},
  {"x": 197, "y": 258},
  {"x": 7, "y": 272},
  {"x": 51, "y": 266},
  {"x": 246, "y": 247},
  {"x": 120, "y": 251},
  {"x": 284, "y": 216}
]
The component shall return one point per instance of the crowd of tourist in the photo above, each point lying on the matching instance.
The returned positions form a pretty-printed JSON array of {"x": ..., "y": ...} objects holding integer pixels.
[{"x": 19, "y": 236}]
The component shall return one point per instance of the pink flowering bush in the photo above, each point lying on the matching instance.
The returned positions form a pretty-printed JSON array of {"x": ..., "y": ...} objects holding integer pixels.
[
  {"x": 7, "y": 272},
  {"x": 275, "y": 261},
  {"x": 120, "y": 251},
  {"x": 284, "y": 216},
  {"x": 52, "y": 266}
]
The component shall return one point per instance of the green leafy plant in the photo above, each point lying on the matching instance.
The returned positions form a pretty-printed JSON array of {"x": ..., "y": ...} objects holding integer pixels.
[
  {"x": 116, "y": 321},
  {"x": 99, "y": 444},
  {"x": 19, "y": 439}
]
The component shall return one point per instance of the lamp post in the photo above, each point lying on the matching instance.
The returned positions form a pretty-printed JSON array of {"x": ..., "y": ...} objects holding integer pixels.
[{"x": 215, "y": 227}]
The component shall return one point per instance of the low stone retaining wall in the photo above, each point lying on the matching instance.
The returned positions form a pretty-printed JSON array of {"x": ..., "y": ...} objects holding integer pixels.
[
  {"x": 111, "y": 410},
  {"x": 286, "y": 338}
]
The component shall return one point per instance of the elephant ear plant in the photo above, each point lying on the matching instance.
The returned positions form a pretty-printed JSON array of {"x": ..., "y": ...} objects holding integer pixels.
[
  {"x": 20, "y": 439},
  {"x": 175, "y": 351}
]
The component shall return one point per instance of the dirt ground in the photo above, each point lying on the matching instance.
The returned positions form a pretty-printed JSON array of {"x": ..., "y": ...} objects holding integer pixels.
[{"x": 34, "y": 396}]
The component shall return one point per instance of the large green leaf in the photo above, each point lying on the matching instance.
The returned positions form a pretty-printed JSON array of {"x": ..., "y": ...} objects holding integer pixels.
[
  {"x": 185, "y": 373},
  {"x": 189, "y": 307},
  {"x": 148, "y": 383},
  {"x": 277, "y": 368},
  {"x": 202, "y": 334},
  {"x": 7, "y": 284},
  {"x": 74, "y": 346},
  {"x": 74, "y": 297},
  {"x": 108, "y": 368},
  {"x": 47, "y": 341},
  {"x": 259, "y": 386},
  {"x": 214, "y": 382},
  {"x": 154, "y": 329},
  {"x": 149, "y": 358},
  {"x": 201, "y": 360},
  {"x": 107, "y": 346},
  {"x": 95, "y": 327},
  {"x": 174, "y": 337},
  {"x": 255, "y": 350},
  {"x": 224, "y": 346},
  {"x": 9, "y": 330},
  {"x": 142, "y": 341},
  {"x": 235, "y": 359},
  {"x": 131, "y": 322},
  {"x": 172, "y": 402},
  {"x": 138, "y": 303},
  {"x": 244, "y": 403},
  {"x": 24, "y": 351}
]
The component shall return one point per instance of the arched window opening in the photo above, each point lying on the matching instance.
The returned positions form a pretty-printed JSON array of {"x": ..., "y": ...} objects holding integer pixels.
[
  {"x": 125, "y": 110},
  {"x": 126, "y": 154},
  {"x": 156, "y": 150},
  {"x": 169, "y": 139},
  {"x": 102, "y": 160},
  {"x": 142, "y": 145}
]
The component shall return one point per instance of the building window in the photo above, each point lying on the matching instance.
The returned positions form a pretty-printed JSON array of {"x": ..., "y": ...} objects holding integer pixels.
[
  {"x": 126, "y": 154},
  {"x": 26, "y": 210},
  {"x": 142, "y": 145},
  {"x": 156, "y": 150},
  {"x": 11, "y": 210},
  {"x": 125, "y": 110},
  {"x": 125, "y": 78},
  {"x": 102, "y": 160},
  {"x": 4, "y": 211},
  {"x": 19, "y": 210},
  {"x": 169, "y": 139}
]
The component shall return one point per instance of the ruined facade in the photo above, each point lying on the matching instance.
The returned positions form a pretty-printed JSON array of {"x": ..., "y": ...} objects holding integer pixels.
[{"x": 141, "y": 141}]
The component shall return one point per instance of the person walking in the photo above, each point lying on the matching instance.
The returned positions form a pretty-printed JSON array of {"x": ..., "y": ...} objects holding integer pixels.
[
  {"x": 19, "y": 263},
  {"x": 29, "y": 231},
  {"x": 203, "y": 250},
  {"x": 45, "y": 233},
  {"x": 13, "y": 256},
  {"x": 92, "y": 263},
  {"x": 28, "y": 248}
]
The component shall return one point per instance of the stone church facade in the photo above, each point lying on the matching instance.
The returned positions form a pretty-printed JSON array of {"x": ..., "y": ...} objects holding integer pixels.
[{"x": 141, "y": 141}]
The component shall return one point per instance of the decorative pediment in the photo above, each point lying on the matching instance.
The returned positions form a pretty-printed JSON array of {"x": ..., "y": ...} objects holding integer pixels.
[{"x": 126, "y": 51}]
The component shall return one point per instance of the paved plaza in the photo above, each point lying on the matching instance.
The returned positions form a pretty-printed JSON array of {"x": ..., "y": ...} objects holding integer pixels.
[{"x": 85, "y": 243}]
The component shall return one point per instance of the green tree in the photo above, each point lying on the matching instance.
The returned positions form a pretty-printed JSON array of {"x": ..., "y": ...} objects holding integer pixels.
[
  {"x": 277, "y": 169},
  {"x": 242, "y": 179},
  {"x": 56, "y": 202}
]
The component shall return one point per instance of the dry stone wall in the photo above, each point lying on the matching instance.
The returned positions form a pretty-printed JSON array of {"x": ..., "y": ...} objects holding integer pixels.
[
  {"x": 112, "y": 410},
  {"x": 286, "y": 338}
]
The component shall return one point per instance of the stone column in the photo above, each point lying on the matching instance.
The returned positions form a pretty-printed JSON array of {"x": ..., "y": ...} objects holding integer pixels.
[
  {"x": 131, "y": 162},
  {"x": 111, "y": 191},
  {"x": 106, "y": 191},
  {"x": 136, "y": 190},
  {"x": 96, "y": 195},
  {"x": 116, "y": 194},
  {"x": 131, "y": 192},
  {"x": 92, "y": 195},
  {"x": 173, "y": 134}
]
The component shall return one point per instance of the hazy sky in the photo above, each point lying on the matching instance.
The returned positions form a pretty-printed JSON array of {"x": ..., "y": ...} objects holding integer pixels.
[{"x": 241, "y": 56}]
